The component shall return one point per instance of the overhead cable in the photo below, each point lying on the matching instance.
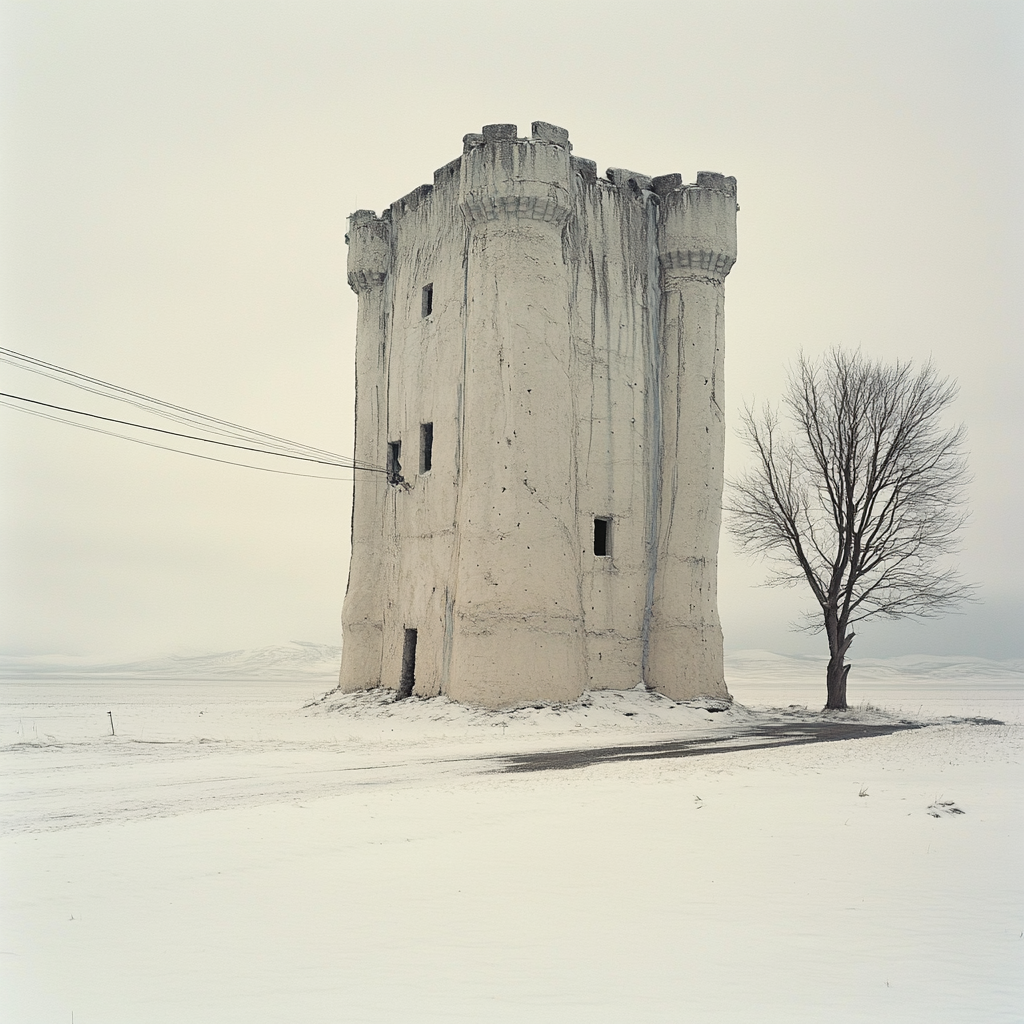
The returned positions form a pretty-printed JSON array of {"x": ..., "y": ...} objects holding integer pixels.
[
  {"x": 264, "y": 442},
  {"x": 166, "y": 448},
  {"x": 347, "y": 464}
]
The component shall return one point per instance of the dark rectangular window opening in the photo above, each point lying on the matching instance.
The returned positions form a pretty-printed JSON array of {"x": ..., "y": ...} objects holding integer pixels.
[
  {"x": 426, "y": 446},
  {"x": 394, "y": 463},
  {"x": 408, "y": 680},
  {"x": 602, "y": 537},
  {"x": 428, "y": 299}
]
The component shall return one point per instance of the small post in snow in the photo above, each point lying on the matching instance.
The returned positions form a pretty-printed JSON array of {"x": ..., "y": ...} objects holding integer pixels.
[{"x": 110, "y": 715}]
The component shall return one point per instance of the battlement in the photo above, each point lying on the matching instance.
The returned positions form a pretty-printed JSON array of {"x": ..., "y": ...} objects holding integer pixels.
[
  {"x": 545, "y": 160},
  {"x": 445, "y": 174},
  {"x": 716, "y": 183},
  {"x": 622, "y": 178},
  {"x": 665, "y": 183},
  {"x": 361, "y": 217},
  {"x": 412, "y": 200},
  {"x": 502, "y": 175},
  {"x": 585, "y": 169},
  {"x": 540, "y": 132}
]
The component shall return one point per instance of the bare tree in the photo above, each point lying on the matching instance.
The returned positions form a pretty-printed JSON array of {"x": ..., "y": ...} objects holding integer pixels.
[{"x": 862, "y": 498}]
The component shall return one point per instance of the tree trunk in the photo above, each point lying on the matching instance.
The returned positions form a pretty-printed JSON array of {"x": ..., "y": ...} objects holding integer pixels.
[
  {"x": 836, "y": 683},
  {"x": 835, "y": 677}
]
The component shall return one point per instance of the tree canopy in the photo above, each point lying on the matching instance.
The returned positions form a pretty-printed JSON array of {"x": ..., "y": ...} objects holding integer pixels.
[{"x": 860, "y": 494}]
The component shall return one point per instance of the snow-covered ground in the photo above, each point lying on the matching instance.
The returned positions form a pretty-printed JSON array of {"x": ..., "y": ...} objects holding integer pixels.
[{"x": 242, "y": 851}]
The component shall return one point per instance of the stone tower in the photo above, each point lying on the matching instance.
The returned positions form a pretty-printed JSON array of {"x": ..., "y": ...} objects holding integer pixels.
[{"x": 539, "y": 365}]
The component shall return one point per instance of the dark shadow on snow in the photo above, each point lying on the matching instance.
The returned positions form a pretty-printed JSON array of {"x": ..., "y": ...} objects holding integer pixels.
[{"x": 760, "y": 737}]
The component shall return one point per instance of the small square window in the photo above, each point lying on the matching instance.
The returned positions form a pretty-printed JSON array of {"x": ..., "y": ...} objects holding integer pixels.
[
  {"x": 428, "y": 299},
  {"x": 602, "y": 537},
  {"x": 426, "y": 446}
]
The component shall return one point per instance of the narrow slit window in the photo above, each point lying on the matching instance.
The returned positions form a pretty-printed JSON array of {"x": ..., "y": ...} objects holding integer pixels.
[
  {"x": 408, "y": 680},
  {"x": 428, "y": 299},
  {"x": 426, "y": 446},
  {"x": 602, "y": 537},
  {"x": 394, "y": 462}
]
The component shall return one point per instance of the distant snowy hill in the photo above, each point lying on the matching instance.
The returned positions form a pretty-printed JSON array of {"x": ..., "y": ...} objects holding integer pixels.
[
  {"x": 298, "y": 659},
  {"x": 754, "y": 665}
]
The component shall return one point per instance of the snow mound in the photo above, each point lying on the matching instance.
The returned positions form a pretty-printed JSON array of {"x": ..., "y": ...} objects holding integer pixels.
[
  {"x": 636, "y": 712},
  {"x": 597, "y": 716}
]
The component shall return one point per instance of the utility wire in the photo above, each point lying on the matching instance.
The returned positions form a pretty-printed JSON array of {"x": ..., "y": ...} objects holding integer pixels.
[
  {"x": 347, "y": 464},
  {"x": 165, "y": 448},
  {"x": 177, "y": 413},
  {"x": 105, "y": 389},
  {"x": 147, "y": 403}
]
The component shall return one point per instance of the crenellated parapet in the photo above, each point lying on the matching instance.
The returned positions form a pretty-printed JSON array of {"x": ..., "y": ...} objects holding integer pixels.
[
  {"x": 633, "y": 180},
  {"x": 697, "y": 230},
  {"x": 506, "y": 177},
  {"x": 369, "y": 250}
]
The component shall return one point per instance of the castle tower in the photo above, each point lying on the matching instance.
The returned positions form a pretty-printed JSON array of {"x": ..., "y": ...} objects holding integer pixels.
[{"x": 539, "y": 366}]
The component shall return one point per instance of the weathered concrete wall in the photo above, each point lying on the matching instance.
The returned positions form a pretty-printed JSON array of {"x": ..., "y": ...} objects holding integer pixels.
[{"x": 570, "y": 362}]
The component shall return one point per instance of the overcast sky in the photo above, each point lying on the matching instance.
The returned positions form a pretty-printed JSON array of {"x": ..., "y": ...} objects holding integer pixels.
[{"x": 176, "y": 179}]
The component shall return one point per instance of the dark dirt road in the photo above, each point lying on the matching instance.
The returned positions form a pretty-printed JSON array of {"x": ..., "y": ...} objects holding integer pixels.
[{"x": 755, "y": 738}]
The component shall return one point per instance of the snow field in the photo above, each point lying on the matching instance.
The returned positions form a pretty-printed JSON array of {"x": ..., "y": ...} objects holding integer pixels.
[{"x": 265, "y": 862}]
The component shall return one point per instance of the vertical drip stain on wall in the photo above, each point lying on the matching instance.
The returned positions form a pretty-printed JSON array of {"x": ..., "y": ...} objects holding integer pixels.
[{"x": 652, "y": 401}]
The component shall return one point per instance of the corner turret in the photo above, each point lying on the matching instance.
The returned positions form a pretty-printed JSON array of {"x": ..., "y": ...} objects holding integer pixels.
[
  {"x": 697, "y": 249},
  {"x": 697, "y": 232},
  {"x": 369, "y": 250}
]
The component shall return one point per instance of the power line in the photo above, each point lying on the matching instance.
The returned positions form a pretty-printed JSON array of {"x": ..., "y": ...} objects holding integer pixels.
[
  {"x": 346, "y": 464},
  {"x": 178, "y": 413},
  {"x": 165, "y": 448},
  {"x": 157, "y": 406}
]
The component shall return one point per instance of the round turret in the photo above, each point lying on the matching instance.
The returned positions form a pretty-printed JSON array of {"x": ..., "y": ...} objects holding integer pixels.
[
  {"x": 697, "y": 232},
  {"x": 369, "y": 250},
  {"x": 505, "y": 176}
]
